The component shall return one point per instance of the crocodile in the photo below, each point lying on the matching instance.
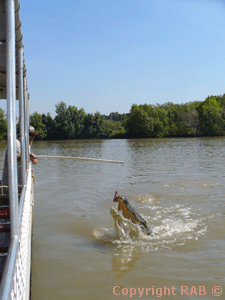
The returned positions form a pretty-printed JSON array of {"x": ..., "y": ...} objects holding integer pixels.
[{"x": 129, "y": 213}]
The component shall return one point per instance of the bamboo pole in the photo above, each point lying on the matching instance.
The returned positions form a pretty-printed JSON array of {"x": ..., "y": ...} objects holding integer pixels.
[{"x": 81, "y": 158}]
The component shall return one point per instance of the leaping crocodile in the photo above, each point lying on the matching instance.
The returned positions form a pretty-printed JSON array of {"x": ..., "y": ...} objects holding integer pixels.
[{"x": 128, "y": 212}]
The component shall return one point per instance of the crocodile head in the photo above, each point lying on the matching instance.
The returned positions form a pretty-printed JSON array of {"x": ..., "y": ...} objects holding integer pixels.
[{"x": 116, "y": 196}]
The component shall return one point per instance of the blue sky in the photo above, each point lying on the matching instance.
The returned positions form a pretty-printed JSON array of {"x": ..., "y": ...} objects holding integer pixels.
[{"x": 105, "y": 55}]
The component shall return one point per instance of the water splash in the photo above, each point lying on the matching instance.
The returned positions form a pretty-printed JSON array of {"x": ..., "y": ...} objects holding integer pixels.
[{"x": 172, "y": 226}]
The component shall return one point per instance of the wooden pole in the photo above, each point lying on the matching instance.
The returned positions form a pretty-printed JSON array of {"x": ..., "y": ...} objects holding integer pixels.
[{"x": 81, "y": 158}]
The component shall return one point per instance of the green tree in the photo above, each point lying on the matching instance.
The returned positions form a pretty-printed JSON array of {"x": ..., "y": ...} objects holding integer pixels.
[
  {"x": 61, "y": 120},
  {"x": 75, "y": 121},
  {"x": 114, "y": 129},
  {"x": 88, "y": 127},
  {"x": 93, "y": 127},
  {"x": 36, "y": 122},
  {"x": 160, "y": 119},
  {"x": 182, "y": 119},
  {"x": 98, "y": 127},
  {"x": 211, "y": 117},
  {"x": 51, "y": 127},
  {"x": 3, "y": 125},
  {"x": 69, "y": 121},
  {"x": 139, "y": 124}
]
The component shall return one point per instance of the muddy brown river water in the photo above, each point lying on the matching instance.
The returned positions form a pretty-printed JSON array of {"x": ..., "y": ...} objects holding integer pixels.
[{"x": 177, "y": 185}]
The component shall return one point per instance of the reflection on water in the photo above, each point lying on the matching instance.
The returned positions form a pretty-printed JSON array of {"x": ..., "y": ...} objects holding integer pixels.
[{"x": 177, "y": 185}]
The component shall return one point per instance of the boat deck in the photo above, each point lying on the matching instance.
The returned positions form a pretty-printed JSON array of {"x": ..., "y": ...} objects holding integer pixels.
[{"x": 4, "y": 225}]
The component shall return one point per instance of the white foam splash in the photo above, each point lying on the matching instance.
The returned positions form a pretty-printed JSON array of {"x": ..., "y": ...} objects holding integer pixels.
[{"x": 175, "y": 225}]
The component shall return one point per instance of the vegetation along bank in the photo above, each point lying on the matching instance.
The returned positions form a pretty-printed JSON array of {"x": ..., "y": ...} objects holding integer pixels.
[{"x": 198, "y": 118}]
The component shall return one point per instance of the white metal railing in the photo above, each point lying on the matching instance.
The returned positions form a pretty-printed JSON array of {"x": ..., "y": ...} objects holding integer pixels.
[
  {"x": 11, "y": 114},
  {"x": 21, "y": 279},
  {"x": 16, "y": 276}
]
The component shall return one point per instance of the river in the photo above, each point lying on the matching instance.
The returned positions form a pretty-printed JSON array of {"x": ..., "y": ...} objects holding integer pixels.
[{"x": 177, "y": 185}]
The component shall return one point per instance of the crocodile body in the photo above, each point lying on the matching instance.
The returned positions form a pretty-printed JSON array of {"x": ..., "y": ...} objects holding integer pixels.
[{"x": 129, "y": 213}]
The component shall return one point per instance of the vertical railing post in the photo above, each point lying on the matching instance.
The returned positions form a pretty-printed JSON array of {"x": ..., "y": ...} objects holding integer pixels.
[
  {"x": 11, "y": 115},
  {"x": 21, "y": 114},
  {"x": 26, "y": 114}
]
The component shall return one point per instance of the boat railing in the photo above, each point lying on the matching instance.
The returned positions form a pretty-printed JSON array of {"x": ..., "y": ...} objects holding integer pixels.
[
  {"x": 15, "y": 279},
  {"x": 16, "y": 275}
]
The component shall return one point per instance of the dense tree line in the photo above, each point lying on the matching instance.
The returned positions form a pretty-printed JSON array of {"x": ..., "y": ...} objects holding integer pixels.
[
  {"x": 73, "y": 123},
  {"x": 199, "y": 118}
]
